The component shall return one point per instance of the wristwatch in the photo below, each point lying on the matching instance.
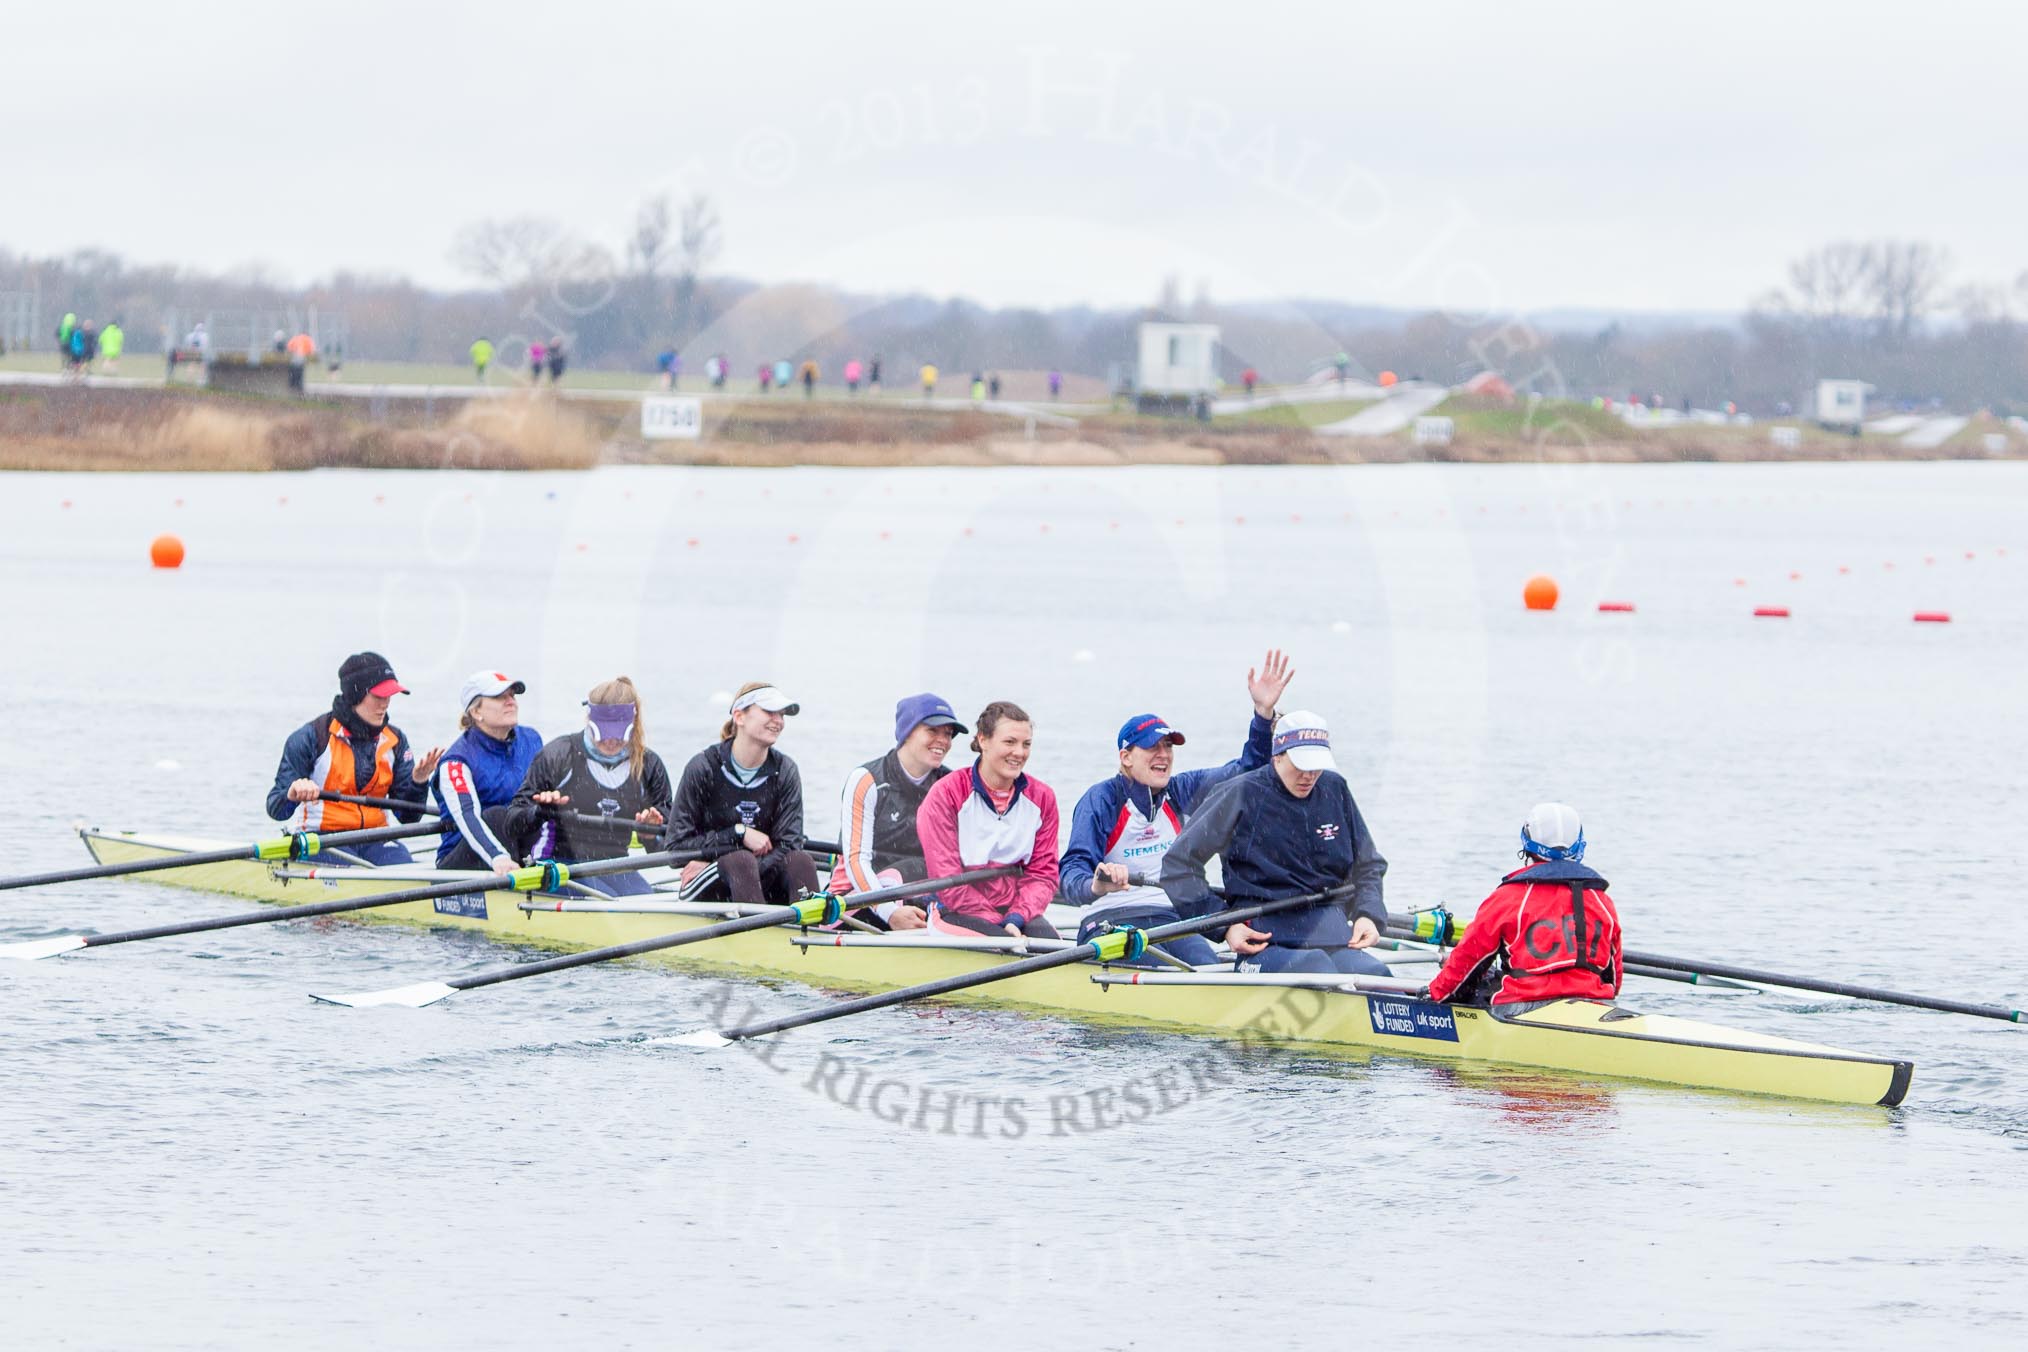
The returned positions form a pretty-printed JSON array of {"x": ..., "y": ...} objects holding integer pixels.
[{"x": 739, "y": 831}]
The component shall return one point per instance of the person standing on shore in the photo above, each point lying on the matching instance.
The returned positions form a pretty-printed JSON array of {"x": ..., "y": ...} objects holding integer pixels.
[
  {"x": 556, "y": 359},
  {"x": 1249, "y": 378},
  {"x": 767, "y": 376},
  {"x": 482, "y": 357},
  {"x": 873, "y": 375},
  {"x": 1055, "y": 383},
  {"x": 64, "y": 329},
  {"x": 538, "y": 354},
  {"x": 112, "y": 342},
  {"x": 852, "y": 371},
  {"x": 808, "y": 375},
  {"x": 929, "y": 381},
  {"x": 993, "y": 386},
  {"x": 978, "y": 387},
  {"x": 724, "y": 371},
  {"x": 784, "y": 373}
]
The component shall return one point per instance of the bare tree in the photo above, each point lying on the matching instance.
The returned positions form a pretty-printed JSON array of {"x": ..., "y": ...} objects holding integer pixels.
[
  {"x": 697, "y": 242},
  {"x": 1904, "y": 278},
  {"x": 521, "y": 251},
  {"x": 649, "y": 247}
]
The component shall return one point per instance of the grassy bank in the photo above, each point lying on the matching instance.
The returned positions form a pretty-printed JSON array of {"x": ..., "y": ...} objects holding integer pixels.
[
  {"x": 79, "y": 429},
  {"x": 74, "y": 427}
]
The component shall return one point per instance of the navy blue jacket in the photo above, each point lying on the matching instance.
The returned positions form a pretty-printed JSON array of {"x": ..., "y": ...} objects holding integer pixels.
[
  {"x": 1273, "y": 844},
  {"x": 478, "y": 772}
]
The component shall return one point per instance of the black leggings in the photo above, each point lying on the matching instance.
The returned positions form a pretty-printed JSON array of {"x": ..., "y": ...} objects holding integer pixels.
[
  {"x": 1038, "y": 928},
  {"x": 750, "y": 878}
]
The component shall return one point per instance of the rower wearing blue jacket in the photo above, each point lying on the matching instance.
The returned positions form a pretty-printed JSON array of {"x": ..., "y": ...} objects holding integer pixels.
[
  {"x": 1126, "y": 824},
  {"x": 1284, "y": 830},
  {"x": 481, "y": 772}
]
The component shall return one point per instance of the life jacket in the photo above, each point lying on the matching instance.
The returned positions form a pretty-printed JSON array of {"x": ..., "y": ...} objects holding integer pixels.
[
  {"x": 1556, "y": 930},
  {"x": 336, "y": 770}
]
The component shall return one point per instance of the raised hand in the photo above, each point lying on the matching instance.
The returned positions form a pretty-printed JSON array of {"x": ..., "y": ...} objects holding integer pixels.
[{"x": 1267, "y": 685}]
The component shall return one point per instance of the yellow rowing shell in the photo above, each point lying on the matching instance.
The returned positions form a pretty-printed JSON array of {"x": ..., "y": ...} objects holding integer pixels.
[{"x": 1579, "y": 1036}]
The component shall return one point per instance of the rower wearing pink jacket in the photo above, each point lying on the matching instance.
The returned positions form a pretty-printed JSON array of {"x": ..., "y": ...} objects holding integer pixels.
[{"x": 990, "y": 814}]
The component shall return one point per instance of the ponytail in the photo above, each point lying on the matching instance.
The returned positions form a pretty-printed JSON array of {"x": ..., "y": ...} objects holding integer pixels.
[{"x": 725, "y": 733}]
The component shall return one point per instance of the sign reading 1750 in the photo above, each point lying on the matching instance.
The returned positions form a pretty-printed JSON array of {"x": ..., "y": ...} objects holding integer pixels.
[{"x": 667, "y": 418}]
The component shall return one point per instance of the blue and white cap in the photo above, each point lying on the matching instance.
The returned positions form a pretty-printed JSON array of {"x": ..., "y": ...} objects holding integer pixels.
[
  {"x": 1553, "y": 831},
  {"x": 1149, "y": 731},
  {"x": 1305, "y": 740}
]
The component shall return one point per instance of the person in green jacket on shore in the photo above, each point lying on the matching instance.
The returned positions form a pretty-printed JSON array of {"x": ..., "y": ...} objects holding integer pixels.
[
  {"x": 482, "y": 357},
  {"x": 112, "y": 342}
]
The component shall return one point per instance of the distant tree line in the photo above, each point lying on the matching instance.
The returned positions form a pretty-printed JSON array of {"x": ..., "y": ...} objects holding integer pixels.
[{"x": 1882, "y": 311}]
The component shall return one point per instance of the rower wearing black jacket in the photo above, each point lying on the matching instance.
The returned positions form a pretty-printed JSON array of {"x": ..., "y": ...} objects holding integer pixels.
[
  {"x": 606, "y": 770},
  {"x": 740, "y": 806}
]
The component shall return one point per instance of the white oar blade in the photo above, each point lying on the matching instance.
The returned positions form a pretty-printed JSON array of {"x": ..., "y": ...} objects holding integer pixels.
[
  {"x": 37, "y": 949},
  {"x": 413, "y": 997},
  {"x": 703, "y": 1037}
]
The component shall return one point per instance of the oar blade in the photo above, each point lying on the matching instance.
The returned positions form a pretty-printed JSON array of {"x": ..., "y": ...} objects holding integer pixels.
[
  {"x": 703, "y": 1037},
  {"x": 411, "y": 997},
  {"x": 37, "y": 949}
]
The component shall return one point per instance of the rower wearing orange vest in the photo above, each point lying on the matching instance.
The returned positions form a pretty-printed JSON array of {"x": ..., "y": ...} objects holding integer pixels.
[{"x": 352, "y": 748}]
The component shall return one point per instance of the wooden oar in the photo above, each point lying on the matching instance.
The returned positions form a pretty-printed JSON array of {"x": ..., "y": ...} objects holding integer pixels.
[
  {"x": 1442, "y": 927},
  {"x": 299, "y": 846},
  {"x": 536, "y": 877},
  {"x": 586, "y": 818},
  {"x": 1121, "y": 945},
  {"x": 822, "y": 909}
]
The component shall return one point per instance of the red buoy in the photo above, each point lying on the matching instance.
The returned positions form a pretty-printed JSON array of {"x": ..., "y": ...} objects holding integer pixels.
[
  {"x": 1932, "y": 617},
  {"x": 1771, "y": 612}
]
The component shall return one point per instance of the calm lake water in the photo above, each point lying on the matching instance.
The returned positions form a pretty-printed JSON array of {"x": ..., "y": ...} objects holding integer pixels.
[{"x": 193, "y": 1155}]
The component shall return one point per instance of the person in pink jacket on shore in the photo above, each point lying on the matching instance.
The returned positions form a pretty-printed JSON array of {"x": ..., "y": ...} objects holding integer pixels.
[{"x": 987, "y": 815}]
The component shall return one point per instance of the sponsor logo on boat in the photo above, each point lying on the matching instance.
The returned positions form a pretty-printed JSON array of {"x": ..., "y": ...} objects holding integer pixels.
[
  {"x": 1412, "y": 1018},
  {"x": 471, "y": 906}
]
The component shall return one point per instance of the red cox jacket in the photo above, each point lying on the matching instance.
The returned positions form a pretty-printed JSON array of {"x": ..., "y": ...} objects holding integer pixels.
[{"x": 1552, "y": 929}]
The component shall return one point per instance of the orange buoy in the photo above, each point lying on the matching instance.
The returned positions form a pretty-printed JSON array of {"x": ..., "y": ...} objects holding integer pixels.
[
  {"x": 1771, "y": 612},
  {"x": 1617, "y": 607},
  {"x": 166, "y": 551},
  {"x": 1932, "y": 617},
  {"x": 1539, "y": 592},
  {"x": 1388, "y": 378}
]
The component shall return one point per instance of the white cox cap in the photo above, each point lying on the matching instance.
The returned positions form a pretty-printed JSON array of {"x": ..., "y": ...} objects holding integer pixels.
[{"x": 1305, "y": 740}]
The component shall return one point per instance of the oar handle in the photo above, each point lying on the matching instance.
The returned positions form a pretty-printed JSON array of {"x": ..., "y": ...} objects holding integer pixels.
[
  {"x": 533, "y": 877},
  {"x": 759, "y": 920},
  {"x": 1105, "y": 947},
  {"x": 565, "y": 814}
]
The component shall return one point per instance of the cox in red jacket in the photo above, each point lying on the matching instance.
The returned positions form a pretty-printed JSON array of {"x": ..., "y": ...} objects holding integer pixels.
[{"x": 1554, "y": 931}]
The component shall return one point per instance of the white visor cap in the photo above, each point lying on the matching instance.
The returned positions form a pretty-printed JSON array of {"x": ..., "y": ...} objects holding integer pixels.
[{"x": 768, "y": 698}]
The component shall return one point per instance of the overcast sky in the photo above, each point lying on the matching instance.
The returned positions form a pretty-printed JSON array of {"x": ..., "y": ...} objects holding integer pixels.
[{"x": 1475, "y": 156}]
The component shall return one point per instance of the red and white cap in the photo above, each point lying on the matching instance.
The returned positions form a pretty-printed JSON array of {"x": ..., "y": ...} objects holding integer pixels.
[{"x": 487, "y": 683}]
